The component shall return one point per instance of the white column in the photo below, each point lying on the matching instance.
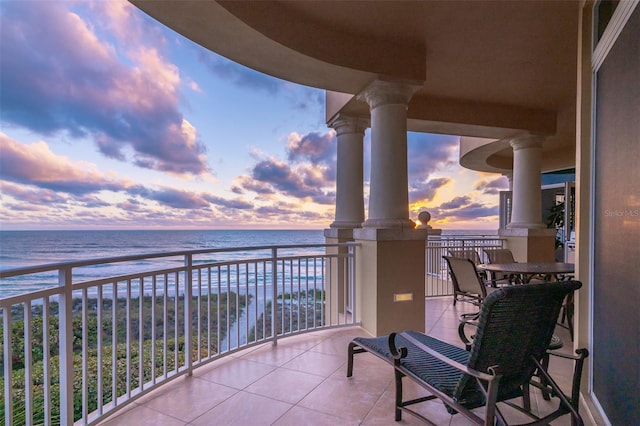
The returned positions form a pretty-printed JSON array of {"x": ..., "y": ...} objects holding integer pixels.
[
  {"x": 389, "y": 192},
  {"x": 527, "y": 199},
  {"x": 349, "y": 176}
]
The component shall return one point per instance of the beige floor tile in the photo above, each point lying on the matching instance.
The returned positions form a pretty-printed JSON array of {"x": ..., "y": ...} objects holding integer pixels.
[
  {"x": 285, "y": 385},
  {"x": 274, "y": 355},
  {"x": 244, "y": 409},
  {"x": 299, "y": 416},
  {"x": 316, "y": 363},
  {"x": 302, "y": 341},
  {"x": 348, "y": 398},
  {"x": 238, "y": 374},
  {"x": 143, "y": 416},
  {"x": 193, "y": 398},
  {"x": 383, "y": 413}
]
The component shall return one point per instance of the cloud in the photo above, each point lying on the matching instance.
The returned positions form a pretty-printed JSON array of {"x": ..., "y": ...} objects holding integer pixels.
[
  {"x": 419, "y": 190},
  {"x": 35, "y": 164},
  {"x": 492, "y": 186},
  {"x": 428, "y": 153},
  {"x": 34, "y": 197},
  {"x": 236, "y": 204},
  {"x": 308, "y": 174},
  {"x": 463, "y": 208},
  {"x": 124, "y": 100}
]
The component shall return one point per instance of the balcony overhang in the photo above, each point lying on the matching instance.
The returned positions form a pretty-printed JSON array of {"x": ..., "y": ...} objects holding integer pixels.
[{"x": 487, "y": 69}]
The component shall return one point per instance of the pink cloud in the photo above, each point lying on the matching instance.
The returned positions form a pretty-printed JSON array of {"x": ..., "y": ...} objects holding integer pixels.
[{"x": 126, "y": 100}]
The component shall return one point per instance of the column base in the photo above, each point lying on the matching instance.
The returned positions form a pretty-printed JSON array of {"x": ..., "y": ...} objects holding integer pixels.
[
  {"x": 388, "y": 223},
  {"x": 526, "y": 225},
  {"x": 390, "y": 284},
  {"x": 341, "y": 224},
  {"x": 530, "y": 244}
]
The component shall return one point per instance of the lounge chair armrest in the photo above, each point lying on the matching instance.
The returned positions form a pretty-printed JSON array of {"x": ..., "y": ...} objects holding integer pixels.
[
  {"x": 580, "y": 354},
  {"x": 399, "y": 353}
]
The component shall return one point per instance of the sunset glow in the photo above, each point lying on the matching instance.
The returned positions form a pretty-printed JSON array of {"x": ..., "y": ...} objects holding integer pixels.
[{"x": 109, "y": 120}]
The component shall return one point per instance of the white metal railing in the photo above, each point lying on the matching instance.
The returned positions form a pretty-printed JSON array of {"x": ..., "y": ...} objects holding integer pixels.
[
  {"x": 437, "y": 281},
  {"x": 81, "y": 350}
]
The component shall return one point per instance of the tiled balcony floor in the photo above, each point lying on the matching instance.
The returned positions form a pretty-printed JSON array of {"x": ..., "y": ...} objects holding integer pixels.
[{"x": 302, "y": 381}]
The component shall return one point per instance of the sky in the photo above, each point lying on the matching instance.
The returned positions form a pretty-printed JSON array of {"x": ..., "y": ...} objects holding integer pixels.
[{"x": 109, "y": 120}]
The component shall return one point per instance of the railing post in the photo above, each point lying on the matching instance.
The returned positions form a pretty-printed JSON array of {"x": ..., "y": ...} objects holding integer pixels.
[
  {"x": 65, "y": 312},
  {"x": 274, "y": 303},
  {"x": 188, "y": 312},
  {"x": 352, "y": 284}
]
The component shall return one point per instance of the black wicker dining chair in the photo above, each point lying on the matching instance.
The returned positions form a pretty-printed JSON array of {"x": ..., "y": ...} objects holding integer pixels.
[{"x": 515, "y": 327}]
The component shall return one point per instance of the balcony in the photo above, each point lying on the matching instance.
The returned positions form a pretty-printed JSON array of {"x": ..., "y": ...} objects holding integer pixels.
[
  {"x": 303, "y": 380},
  {"x": 250, "y": 364}
]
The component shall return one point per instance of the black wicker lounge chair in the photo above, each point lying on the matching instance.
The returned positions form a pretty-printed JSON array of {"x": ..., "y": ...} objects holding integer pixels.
[{"x": 515, "y": 328}]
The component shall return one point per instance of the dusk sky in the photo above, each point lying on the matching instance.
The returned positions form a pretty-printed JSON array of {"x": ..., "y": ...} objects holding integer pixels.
[{"x": 109, "y": 120}]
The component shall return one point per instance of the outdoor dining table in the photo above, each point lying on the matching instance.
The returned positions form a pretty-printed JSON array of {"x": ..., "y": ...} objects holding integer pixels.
[{"x": 527, "y": 270}]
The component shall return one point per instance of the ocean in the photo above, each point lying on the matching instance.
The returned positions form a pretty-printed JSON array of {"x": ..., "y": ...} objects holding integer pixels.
[{"x": 30, "y": 248}]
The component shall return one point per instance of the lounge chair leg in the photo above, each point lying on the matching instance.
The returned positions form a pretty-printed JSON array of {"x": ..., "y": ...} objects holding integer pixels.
[
  {"x": 350, "y": 360},
  {"x": 543, "y": 381},
  {"x": 526, "y": 398},
  {"x": 398, "y": 411}
]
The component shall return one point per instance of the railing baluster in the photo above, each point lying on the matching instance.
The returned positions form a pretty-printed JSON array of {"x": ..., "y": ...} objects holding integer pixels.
[
  {"x": 141, "y": 334},
  {"x": 219, "y": 340},
  {"x": 165, "y": 324},
  {"x": 154, "y": 334},
  {"x": 128, "y": 339},
  {"x": 65, "y": 312},
  {"x": 209, "y": 297},
  {"x": 85, "y": 356},
  {"x": 99, "y": 344},
  {"x": 199, "y": 319},
  {"x": 114, "y": 346},
  {"x": 238, "y": 343},
  {"x": 28, "y": 365},
  {"x": 176, "y": 317},
  {"x": 188, "y": 313},
  {"x": 8, "y": 365},
  {"x": 46, "y": 358}
]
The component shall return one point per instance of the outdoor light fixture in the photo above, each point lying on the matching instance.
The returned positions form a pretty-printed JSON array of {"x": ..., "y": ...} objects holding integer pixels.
[{"x": 403, "y": 297}]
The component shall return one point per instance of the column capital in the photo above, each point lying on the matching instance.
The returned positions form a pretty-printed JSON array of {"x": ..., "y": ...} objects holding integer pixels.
[
  {"x": 382, "y": 92},
  {"x": 344, "y": 124},
  {"x": 526, "y": 141}
]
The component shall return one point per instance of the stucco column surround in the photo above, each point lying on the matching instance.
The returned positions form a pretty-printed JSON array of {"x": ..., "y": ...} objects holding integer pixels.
[
  {"x": 390, "y": 260},
  {"x": 527, "y": 199},
  {"x": 349, "y": 177},
  {"x": 527, "y": 237},
  {"x": 389, "y": 183}
]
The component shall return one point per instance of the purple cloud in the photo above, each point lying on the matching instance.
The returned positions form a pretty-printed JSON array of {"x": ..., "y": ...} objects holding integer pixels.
[
  {"x": 464, "y": 208},
  {"x": 87, "y": 89},
  {"x": 36, "y": 165},
  {"x": 493, "y": 186},
  {"x": 310, "y": 172},
  {"x": 419, "y": 191},
  {"x": 428, "y": 153}
]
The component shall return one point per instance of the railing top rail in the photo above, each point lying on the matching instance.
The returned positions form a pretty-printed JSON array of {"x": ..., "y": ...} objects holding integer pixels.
[{"x": 7, "y": 273}]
